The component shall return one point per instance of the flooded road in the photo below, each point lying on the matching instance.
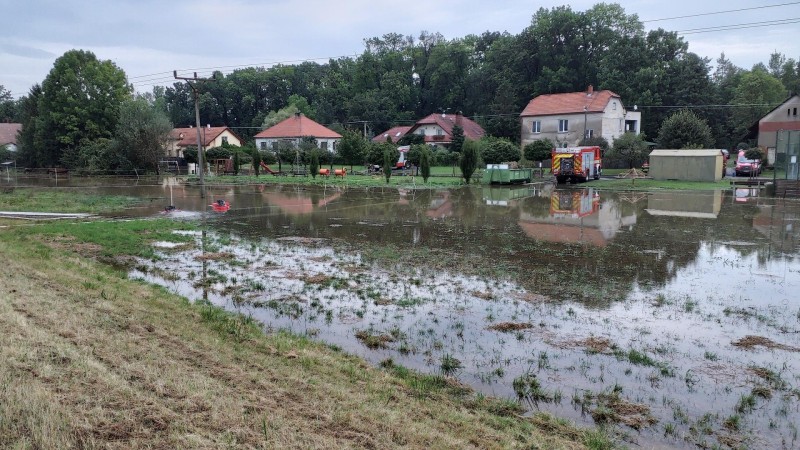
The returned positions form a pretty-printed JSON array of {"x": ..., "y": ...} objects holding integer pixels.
[{"x": 672, "y": 316}]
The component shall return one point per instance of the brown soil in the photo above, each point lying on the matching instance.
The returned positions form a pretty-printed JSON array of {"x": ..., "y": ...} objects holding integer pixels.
[
  {"x": 215, "y": 256},
  {"x": 749, "y": 342},
  {"x": 317, "y": 279},
  {"x": 594, "y": 344},
  {"x": 509, "y": 326}
]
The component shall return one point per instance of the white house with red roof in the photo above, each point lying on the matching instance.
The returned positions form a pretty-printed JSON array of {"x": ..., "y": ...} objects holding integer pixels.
[
  {"x": 180, "y": 138},
  {"x": 294, "y": 129},
  {"x": 566, "y": 118},
  {"x": 438, "y": 128}
]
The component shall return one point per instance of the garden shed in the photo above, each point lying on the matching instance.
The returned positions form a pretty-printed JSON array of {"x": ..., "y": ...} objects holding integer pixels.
[{"x": 686, "y": 165}]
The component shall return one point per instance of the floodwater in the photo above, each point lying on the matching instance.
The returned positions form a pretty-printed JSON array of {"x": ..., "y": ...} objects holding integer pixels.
[{"x": 672, "y": 317}]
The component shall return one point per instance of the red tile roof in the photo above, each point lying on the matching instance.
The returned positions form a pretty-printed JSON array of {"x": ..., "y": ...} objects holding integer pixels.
[
  {"x": 8, "y": 133},
  {"x": 395, "y": 133},
  {"x": 298, "y": 126},
  {"x": 569, "y": 103},
  {"x": 446, "y": 122},
  {"x": 188, "y": 136}
]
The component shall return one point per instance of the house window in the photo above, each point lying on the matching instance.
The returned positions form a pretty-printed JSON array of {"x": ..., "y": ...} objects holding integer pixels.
[
  {"x": 795, "y": 112},
  {"x": 537, "y": 126},
  {"x": 263, "y": 145},
  {"x": 439, "y": 132},
  {"x": 620, "y": 124},
  {"x": 323, "y": 145},
  {"x": 224, "y": 140},
  {"x": 589, "y": 133},
  {"x": 563, "y": 125},
  {"x": 614, "y": 106}
]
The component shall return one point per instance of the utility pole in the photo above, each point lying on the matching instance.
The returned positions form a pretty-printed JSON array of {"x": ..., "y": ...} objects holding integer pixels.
[{"x": 200, "y": 156}]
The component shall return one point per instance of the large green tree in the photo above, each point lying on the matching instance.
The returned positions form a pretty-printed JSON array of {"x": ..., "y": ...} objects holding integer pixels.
[
  {"x": 80, "y": 102},
  {"x": 352, "y": 148},
  {"x": 685, "y": 130},
  {"x": 9, "y": 108},
  {"x": 142, "y": 133},
  {"x": 756, "y": 94}
]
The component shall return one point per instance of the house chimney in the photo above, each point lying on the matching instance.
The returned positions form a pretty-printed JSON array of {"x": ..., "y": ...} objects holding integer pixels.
[
  {"x": 208, "y": 126},
  {"x": 589, "y": 91}
]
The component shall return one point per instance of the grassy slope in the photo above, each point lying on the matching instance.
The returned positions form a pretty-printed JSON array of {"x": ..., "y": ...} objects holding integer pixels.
[{"x": 91, "y": 359}]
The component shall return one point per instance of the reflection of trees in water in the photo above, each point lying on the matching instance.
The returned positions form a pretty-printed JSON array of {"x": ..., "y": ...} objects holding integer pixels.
[{"x": 456, "y": 230}]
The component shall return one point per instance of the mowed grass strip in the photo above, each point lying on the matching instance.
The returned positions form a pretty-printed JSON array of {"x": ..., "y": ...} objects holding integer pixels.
[{"x": 92, "y": 359}]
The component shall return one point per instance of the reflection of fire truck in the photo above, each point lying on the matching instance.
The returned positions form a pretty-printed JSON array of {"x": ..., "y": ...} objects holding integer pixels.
[
  {"x": 576, "y": 163},
  {"x": 574, "y": 203}
]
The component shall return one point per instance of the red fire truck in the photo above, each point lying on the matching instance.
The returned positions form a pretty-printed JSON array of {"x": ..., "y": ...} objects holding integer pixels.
[{"x": 576, "y": 163}]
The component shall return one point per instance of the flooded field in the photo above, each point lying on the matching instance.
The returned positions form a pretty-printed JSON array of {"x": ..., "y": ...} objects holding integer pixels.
[{"x": 672, "y": 317}]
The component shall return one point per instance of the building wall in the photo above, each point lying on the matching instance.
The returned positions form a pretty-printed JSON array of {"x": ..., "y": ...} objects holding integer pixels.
[
  {"x": 784, "y": 117},
  {"x": 268, "y": 143}
]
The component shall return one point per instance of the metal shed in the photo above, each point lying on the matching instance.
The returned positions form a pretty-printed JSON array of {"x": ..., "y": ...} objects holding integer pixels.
[{"x": 686, "y": 165}]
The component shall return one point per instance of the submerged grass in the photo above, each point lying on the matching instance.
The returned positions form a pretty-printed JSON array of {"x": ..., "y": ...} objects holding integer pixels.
[
  {"x": 64, "y": 200},
  {"x": 92, "y": 359}
]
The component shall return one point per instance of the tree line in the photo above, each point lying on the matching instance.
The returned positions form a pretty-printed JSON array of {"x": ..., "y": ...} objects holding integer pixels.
[{"x": 399, "y": 79}]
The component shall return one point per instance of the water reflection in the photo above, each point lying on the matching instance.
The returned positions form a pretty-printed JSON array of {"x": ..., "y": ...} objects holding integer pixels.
[{"x": 646, "y": 295}]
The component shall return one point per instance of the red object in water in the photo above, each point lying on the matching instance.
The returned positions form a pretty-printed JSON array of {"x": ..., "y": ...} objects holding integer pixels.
[{"x": 220, "y": 206}]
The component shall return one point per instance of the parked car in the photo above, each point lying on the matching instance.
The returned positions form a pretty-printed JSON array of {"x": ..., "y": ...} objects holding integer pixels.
[{"x": 747, "y": 167}]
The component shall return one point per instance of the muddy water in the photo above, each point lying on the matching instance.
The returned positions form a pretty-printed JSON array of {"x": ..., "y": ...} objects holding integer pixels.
[{"x": 673, "y": 317}]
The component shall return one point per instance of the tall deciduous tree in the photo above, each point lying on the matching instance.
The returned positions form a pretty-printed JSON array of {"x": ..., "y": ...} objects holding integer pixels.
[
  {"x": 9, "y": 108},
  {"x": 756, "y": 94},
  {"x": 80, "y": 103},
  {"x": 352, "y": 148},
  {"x": 142, "y": 133},
  {"x": 685, "y": 130}
]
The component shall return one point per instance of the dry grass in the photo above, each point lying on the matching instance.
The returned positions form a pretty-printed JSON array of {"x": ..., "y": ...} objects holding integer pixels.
[
  {"x": 93, "y": 360},
  {"x": 510, "y": 326},
  {"x": 749, "y": 341}
]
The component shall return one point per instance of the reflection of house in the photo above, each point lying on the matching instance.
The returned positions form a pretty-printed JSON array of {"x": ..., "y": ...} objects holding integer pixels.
[
  {"x": 8, "y": 135},
  {"x": 780, "y": 224},
  {"x": 180, "y": 138},
  {"x": 395, "y": 134},
  {"x": 438, "y": 128},
  {"x": 577, "y": 217},
  {"x": 298, "y": 204},
  {"x": 293, "y": 130},
  {"x": 441, "y": 206},
  {"x": 566, "y": 118},
  {"x": 700, "y": 204}
]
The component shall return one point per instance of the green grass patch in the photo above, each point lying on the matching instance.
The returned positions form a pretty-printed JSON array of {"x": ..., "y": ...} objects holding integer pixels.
[
  {"x": 646, "y": 184},
  {"x": 62, "y": 200},
  {"x": 115, "y": 238}
]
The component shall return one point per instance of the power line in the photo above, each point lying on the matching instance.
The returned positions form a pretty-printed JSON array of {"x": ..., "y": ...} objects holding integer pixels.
[
  {"x": 740, "y": 26},
  {"x": 720, "y": 12}
]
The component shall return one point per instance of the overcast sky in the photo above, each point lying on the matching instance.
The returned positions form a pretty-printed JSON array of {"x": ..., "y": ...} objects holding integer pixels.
[{"x": 148, "y": 39}]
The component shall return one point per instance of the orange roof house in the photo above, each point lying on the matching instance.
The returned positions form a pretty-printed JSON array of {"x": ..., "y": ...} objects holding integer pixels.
[
  {"x": 567, "y": 118},
  {"x": 294, "y": 129}
]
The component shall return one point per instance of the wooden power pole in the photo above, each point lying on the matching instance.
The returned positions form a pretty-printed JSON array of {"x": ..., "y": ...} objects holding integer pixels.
[{"x": 193, "y": 83}]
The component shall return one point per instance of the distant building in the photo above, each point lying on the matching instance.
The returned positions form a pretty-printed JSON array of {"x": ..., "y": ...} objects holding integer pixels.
[
  {"x": 8, "y": 135},
  {"x": 783, "y": 117},
  {"x": 395, "y": 134},
  {"x": 294, "y": 129},
  {"x": 437, "y": 130},
  {"x": 567, "y": 118},
  {"x": 180, "y": 138}
]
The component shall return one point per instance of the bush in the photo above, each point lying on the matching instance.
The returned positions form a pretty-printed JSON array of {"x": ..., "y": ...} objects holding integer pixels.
[
  {"x": 498, "y": 150},
  {"x": 539, "y": 150}
]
